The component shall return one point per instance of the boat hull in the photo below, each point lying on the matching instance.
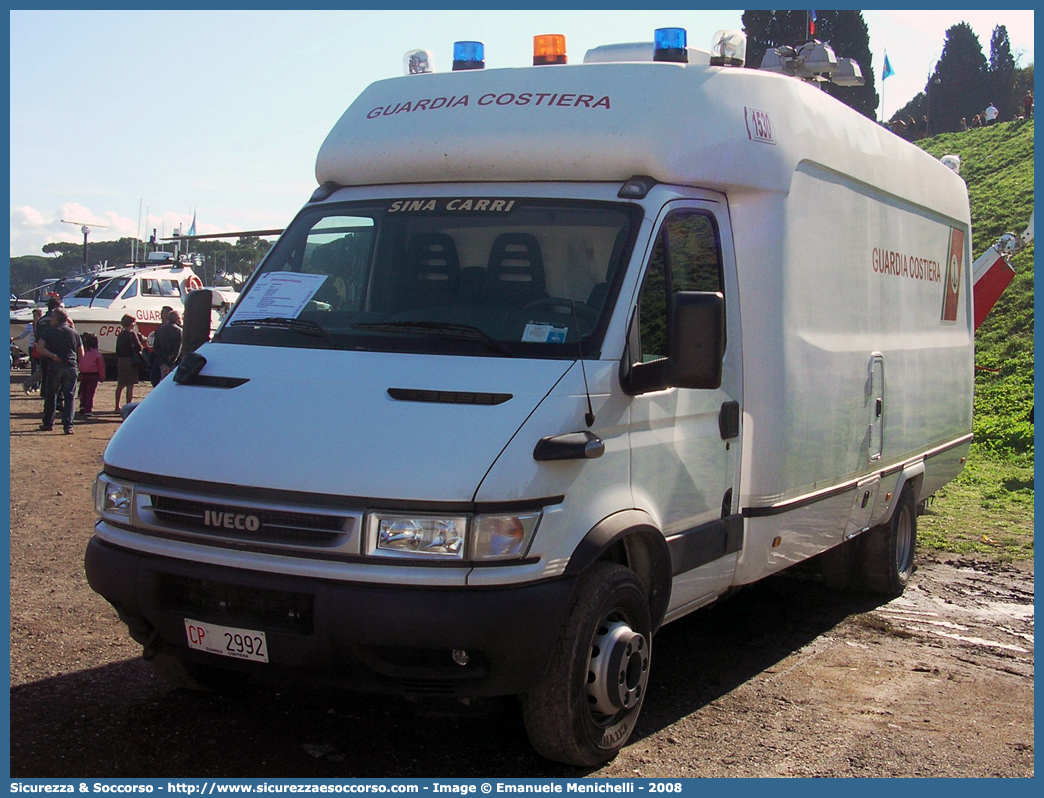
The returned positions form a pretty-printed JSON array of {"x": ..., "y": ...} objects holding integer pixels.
[{"x": 103, "y": 323}]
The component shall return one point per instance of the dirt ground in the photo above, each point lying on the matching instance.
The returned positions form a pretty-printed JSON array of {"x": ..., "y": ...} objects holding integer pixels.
[{"x": 787, "y": 678}]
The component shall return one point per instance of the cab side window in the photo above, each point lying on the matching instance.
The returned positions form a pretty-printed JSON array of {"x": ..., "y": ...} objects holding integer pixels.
[{"x": 686, "y": 257}]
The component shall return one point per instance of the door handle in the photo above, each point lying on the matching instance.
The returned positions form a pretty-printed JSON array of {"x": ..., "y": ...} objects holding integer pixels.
[{"x": 729, "y": 420}]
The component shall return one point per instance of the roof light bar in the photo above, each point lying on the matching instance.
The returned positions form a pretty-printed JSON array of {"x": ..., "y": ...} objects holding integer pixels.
[
  {"x": 549, "y": 48},
  {"x": 468, "y": 55},
  {"x": 813, "y": 61},
  {"x": 848, "y": 73},
  {"x": 670, "y": 44}
]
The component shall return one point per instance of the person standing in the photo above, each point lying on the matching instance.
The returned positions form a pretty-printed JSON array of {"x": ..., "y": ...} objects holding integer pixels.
[
  {"x": 991, "y": 113},
  {"x": 128, "y": 359},
  {"x": 92, "y": 372},
  {"x": 62, "y": 347},
  {"x": 167, "y": 344},
  {"x": 53, "y": 304},
  {"x": 32, "y": 330},
  {"x": 1027, "y": 105},
  {"x": 154, "y": 366}
]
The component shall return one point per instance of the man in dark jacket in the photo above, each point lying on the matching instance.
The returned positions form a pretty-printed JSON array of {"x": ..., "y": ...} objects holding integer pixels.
[
  {"x": 166, "y": 344},
  {"x": 154, "y": 364},
  {"x": 61, "y": 348}
]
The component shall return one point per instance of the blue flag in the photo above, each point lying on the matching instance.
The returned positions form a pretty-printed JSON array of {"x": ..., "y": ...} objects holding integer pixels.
[
  {"x": 888, "y": 71},
  {"x": 192, "y": 230}
]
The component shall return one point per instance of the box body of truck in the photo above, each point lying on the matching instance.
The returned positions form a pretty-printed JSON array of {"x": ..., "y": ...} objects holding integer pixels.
[{"x": 554, "y": 355}]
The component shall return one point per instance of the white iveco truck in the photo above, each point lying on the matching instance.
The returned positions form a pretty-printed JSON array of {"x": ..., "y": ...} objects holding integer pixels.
[{"x": 554, "y": 355}]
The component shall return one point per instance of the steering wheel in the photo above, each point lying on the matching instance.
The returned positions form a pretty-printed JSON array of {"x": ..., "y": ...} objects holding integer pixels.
[{"x": 562, "y": 307}]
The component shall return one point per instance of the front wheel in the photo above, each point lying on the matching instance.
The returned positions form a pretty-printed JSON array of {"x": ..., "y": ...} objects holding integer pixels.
[{"x": 587, "y": 705}]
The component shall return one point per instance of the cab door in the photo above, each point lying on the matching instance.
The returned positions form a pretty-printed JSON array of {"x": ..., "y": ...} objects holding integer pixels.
[{"x": 685, "y": 442}]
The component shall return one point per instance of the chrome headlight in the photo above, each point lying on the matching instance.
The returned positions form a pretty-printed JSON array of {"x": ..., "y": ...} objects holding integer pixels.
[
  {"x": 112, "y": 499},
  {"x": 483, "y": 537},
  {"x": 419, "y": 535}
]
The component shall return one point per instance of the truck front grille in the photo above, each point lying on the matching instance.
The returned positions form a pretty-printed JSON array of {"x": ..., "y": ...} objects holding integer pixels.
[
  {"x": 212, "y": 520},
  {"x": 273, "y": 526}
]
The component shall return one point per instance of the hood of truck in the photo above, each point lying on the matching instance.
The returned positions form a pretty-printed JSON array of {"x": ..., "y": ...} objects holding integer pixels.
[{"x": 353, "y": 424}]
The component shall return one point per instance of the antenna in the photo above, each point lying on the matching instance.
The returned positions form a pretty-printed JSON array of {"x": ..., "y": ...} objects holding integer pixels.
[
  {"x": 589, "y": 416},
  {"x": 85, "y": 228}
]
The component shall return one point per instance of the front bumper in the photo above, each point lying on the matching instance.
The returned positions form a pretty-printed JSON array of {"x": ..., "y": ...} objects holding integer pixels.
[{"x": 363, "y": 636}]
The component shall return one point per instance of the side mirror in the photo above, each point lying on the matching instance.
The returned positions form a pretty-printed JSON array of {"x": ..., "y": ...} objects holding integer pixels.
[
  {"x": 695, "y": 350},
  {"x": 697, "y": 340},
  {"x": 196, "y": 326}
]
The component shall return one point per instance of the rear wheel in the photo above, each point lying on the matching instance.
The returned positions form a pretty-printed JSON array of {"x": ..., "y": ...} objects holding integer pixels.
[
  {"x": 886, "y": 556},
  {"x": 588, "y": 703},
  {"x": 881, "y": 560}
]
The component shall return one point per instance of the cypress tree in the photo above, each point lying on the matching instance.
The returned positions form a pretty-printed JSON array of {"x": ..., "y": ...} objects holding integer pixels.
[
  {"x": 1002, "y": 75},
  {"x": 959, "y": 85}
]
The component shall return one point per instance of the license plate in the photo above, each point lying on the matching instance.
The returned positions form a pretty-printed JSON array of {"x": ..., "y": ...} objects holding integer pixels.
[{"x": 227, "y": 641}]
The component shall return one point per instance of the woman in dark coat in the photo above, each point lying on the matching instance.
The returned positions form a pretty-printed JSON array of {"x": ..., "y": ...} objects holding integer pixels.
[{"x": 128, "y": 358}]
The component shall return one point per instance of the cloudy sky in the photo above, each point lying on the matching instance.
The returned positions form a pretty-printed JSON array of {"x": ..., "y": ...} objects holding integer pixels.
[{"x": 138, "y": 119}]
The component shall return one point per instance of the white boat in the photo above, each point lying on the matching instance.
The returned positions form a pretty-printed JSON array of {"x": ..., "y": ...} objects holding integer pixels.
[{"x": 99, "y": 302}]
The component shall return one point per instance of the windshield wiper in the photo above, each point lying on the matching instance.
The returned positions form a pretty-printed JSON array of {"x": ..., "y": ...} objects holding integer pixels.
[
  {"x": 443, "y": 329},
  {"x": 303, "y": 326}
]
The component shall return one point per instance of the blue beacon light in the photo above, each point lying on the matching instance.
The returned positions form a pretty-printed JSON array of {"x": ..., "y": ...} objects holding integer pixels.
[
  {"x": 670, "y": 44},
  {"x": 468, "y": 55}
]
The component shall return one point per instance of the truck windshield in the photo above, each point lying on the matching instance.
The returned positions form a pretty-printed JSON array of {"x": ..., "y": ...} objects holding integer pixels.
[{"x": 495, "y": 277}]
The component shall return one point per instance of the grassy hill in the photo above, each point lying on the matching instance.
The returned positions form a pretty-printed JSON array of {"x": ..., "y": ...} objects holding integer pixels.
[{"x": 990, "y": 507}]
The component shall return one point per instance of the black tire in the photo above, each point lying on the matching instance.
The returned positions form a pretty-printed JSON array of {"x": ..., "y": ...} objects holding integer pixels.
[
  {"x": 588, "y": 703},
  {"x": 190, "y": 675},
  {"x": 886, "y": 552}
]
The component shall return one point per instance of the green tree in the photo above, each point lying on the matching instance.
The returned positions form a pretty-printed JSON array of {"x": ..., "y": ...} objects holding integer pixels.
[
  {"x": 29, "y": 271},
  {"x": 846, "y": 33},
  {"x": 915, "y": 108},
  {"x": 958, "y": 87},
  {"x": 767, "y": 29},
  {"x": 215, "y": 260},
  {"x": 1002, "y": 75},
  {"x": 1023, "y": 84}
]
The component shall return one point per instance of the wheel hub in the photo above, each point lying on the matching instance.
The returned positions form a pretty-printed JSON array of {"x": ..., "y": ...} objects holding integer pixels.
[{"x": 618, "y": 669}]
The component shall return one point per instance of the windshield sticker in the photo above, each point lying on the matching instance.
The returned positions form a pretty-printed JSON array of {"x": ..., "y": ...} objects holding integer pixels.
[
  {"x": 280, "y": 295},
  {"x": 544, "y": 334},
  {"x": 453, "y": 205}
]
